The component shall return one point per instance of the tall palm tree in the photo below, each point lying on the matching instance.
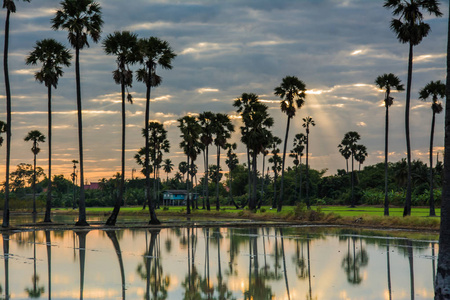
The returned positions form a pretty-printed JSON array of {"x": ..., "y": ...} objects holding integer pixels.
[
  {"x": 410, "y": 28},
  {"x": 52, "y": 55},
  {"x": 275, "y": 160},
  {"x": 387, "y": 82},
  {"x": 124, "y": 46},
  {"x": 222, "y": 132},
  {"x": 350, "y": 139},
  {"x": 206, "y": 121},
  {"x": 292, "y": 91},
  {"x": 36, "y": 137},
  {"x": 435, "y": 90},
  {"x": 307, "y": 122},
  {"x": 345, "y": 152},
  {"x": 443, "y": 270},
  {"x": 153, "y": 52},
  {"x": 297, "y": 153},
  {"x": 168, "y": 167},
  {"x": 231, "y": 161},
  {"x": 190, "y": 133},
  {"x": 360, "y": 155},
  {"x": 183, "y": 167},
  {"x": 10, "y": 8},
  {"x": 82, "y": 19}
]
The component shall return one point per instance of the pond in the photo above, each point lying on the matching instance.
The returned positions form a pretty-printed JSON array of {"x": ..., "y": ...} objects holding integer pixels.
[{"x": 295, "y": 262}]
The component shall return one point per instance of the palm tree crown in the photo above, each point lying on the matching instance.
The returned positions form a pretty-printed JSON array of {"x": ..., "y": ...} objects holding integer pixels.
[
  {"x": 389, "y": 82},
  {"x": 292, "y": 90},
  {"x": 435, "y": 90},
  {"x": 37, "y": 137}
]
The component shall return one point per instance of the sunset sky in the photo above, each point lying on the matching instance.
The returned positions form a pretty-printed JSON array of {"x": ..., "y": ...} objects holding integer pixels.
[{"x": 226, "y": 48}]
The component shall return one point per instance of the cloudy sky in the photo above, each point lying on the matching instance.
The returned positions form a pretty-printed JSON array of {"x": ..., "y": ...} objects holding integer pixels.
[{"x": 226, "y": 48}]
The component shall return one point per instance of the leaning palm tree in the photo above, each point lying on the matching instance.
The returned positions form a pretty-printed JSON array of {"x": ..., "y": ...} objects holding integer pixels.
[
  {"x": 307, "y": 122},
  {"x": 124, "y": 46},
  {"x": 222, "y": 132},
  {"x": 52, "y": 55},
  {"x": 10, "y": 8},
  {"x": 82, "y": 19},
  {"x": 292, "y": 91},
  {"x": 435, "y": 90},
  {"x": 168, "y": 167},
  {"x": 152, "y": 52},
  {"x": 387, "y": 82},
  {"x": 36, "y": 137},
  {"x": 441, "y": 290},
  {"x": 410, "y": 28}
]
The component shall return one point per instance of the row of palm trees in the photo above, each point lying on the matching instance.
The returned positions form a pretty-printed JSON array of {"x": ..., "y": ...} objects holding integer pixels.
[{"x": 82, "y": 19}]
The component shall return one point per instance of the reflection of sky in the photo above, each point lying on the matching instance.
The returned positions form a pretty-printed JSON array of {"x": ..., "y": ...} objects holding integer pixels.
[
  {"x": 225, "y": 48},
  {"x": 328, "y": 277}
]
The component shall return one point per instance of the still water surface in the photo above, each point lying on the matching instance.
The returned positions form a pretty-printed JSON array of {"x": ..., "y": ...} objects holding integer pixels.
[{"x": 218, "y": 263}]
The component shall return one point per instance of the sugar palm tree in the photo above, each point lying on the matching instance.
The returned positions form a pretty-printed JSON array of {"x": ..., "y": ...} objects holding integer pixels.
[
  {"x": 123, "y": 45},
  {"x": 275, "y": 160},
  {"x": 52, "y": 55},
  {"x": 153, "y": 52},
  {"x": 307, "y": 122},
  {"x": 435, "y": 90},
  {"x": 345, "y": 152},
  {"x": 360, "y": 155},
  {"x": 10, "y": 8},
  {"x": 297, "y": 153},
  {"x": 222, "y": 132},
  {"x": 36, "y": 137},
  {"x": 231, "y": 161},
  {"x": 410, "y": 29},
  {"x": 443, "y": 269},
  {"x": 387, "y": 82},
  {"x": 183, "y": 167},
  {"x": 350, "y": 139},
  {"x": 82, "y": 19},
  {"x": 292, "y": 91},
  {"x": 206, "y": 121},
  {"x": 168, "y": 167}
]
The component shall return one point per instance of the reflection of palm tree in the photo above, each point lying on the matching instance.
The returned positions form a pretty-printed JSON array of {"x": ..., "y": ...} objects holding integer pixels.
[
  {"x": 388, "y": 269},
  {"x": 35, "y": 291},
  {"x": 82, "y": 255},
  {"x": 49, "y": 262},
  {"x": 6, "y": 261},
  {"x": 113, "y": 237},
  {"x": 411, "y": 266},
  {"x": 284, "y": 264},
  {"x": 352, "y": 262},
  {"x": 299, "y": 261}
]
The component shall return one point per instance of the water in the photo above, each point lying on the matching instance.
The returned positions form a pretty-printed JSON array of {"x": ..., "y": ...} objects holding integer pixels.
[{"x": 218, "y": 263}]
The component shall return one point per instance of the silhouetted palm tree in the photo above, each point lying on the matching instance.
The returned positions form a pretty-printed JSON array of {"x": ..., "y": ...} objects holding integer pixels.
[
  {"x": 350, "y": 139},
  {"x": 231, "y": 161},
  {"x": 276, "y": 161},
  {"x": 52, "y": 55},
  {"x": 435, "y": 90},
  {"x": 168, "y": 167},
  {"x": 183, "y": 167},
  {"x": 153, "y": 52},
  {"x": 10, "y": 8},
  {"x": 345, "y": 152},
  {"x": 206, "y": 120},
  {"x": 292, "y": 91},
  {"x": 124, "y": 46},
  {"x": 222, "y": 132},
  {"x": 443, "y": 271},
  {"x": 387, "y": 82},
  {"x": 36, "y": 137},
  {"x": 297, "y": 153},
  {"x": 82, "y": 19},
  {"x": 307, "y": 122},
  {"x": 410, "y": 29},
  {"x": 360, "y": 155}
]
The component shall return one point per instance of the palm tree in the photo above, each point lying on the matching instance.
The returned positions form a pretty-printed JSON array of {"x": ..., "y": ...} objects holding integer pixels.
[
  {"x": 345, "y": 152},
  {"x": 434, "y": 90},
  {"x": 292, "y": 91},
  {"x": 82, "y": 19},
  {"x": 275, "y": 160},
  {"x": 153, "y": 52},
  {"x": 360, "y": 155},
  {"x": 168, "y": 167},
  {"x": 206, "y": 121},
  {"x": 74, "y": 176},
  {"x": 387, "y": 82},
  {"x": 443, "y": 269},
  {"x": 349, "y": 140},
  {"x": 36, "y": 137},
  {"x": 124, "y": 46},
  {"x": 10, "y": 8},
  {"x": 183, "y": 167},
  {"x": 190, "y": 133},
  {"x": 297, "y": 153},
  {"x": 52, "y": 55},
  {"x": 308, "y": 121},
  {"x": 410, "y": 29},
  {"x": 222, "y": 132},
  {"x": 231, "y": 161}
]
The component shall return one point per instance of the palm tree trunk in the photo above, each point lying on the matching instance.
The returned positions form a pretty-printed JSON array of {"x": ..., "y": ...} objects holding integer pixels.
[
  {"x": 113, "y": 237},
  {"x": 280, "y": 202},
  {"x": 249, "y": 177},
  {"x": 113, "y": 217},
  {"x": 386, "y": 153},
  {"x": 82, "y": 204},
  {"x": 48, "y": 205},
  {"x": 275, "y": 177},
  {"x": 217, "y": 179},
  {"x": 307, "y": 169},
  {"x": 8, "y": 121},
  {"x": 300, "y": 189},
  {"x": 49, "y": 262},
  {"x": 208, "y": 206},
  {"x": 188, "y": 207},
  {"x": 407, "y": 209},
  {"x": 231, "y": 192},
  {"x": 262, "y": 181},
  {"x": 151, "y": 206},
  {"x": 443, "y": 270},
  {"x": 432, "y": 212},
  {"x": 34, "y": 181},
  {"x": 252, "y": 204}
]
